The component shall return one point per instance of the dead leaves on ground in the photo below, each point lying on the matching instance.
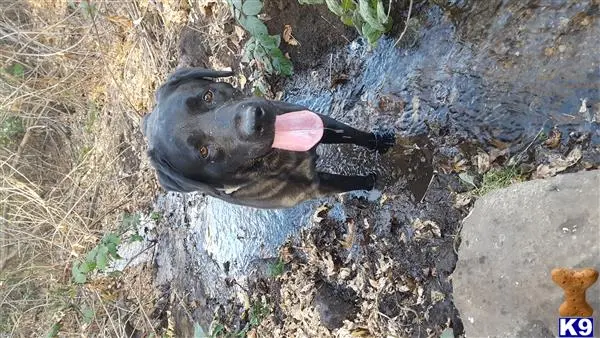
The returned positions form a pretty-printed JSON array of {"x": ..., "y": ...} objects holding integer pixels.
[
  {"x": 558, "y": 163},
  {"x": 288, "y": 37}
]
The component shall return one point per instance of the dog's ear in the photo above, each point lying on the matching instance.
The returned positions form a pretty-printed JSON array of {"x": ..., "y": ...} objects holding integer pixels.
[
  {"x": 196, "y": 73},
  {"x": 186, "y": 74},
  {"x": 171, "y": 180},
  {"x": 144, "y": 124}
]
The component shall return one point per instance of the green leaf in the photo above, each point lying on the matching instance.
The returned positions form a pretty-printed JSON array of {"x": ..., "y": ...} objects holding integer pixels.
[
  {"x": 249, "y": 48},
  {"x": 54, "y": 329},
  {"x": 252, "y": 7},
  {"x": 78, "y": 276},
  {"x": 237, "y": 3},
  {"x": 83, "y": 267},
  {"x": 18, "y": 70},
  {"x": 254, "y": 26},
  {"x": 102, "y": 258},
  {"x": 348, "y": 5},
  {"x": 136, "y": 238},
  {"x": 447, "y": 333},
  {"x": 283, "y": 65},
  {"x": 199, "y": 332},
  {"x": 382, "y": 16},
  {"x": 155, "y": 216},
  {"x": 112, "y": 238},
  {"x": 88, "y": 314},
  {"x": 371, "y": 33},
  {"x": 467, "y": 178},
  {"x": 366, "y": 12},
  {"x": 91, "y": 256},
  {"x": 270, "y": 41},
  {"x": 334, "y": 6},
  {"x": 260, "y": 54},
  {"x": 347, "y": 20},
  {"x": 112, "y": 249},
  {"x": 131, "y": 220}
]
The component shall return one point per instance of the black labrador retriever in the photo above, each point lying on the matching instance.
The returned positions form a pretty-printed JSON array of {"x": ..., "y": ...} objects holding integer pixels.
[{"x": 207, "y": 136}]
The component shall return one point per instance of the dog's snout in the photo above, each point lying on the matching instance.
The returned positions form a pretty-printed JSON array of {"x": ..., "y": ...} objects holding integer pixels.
[{"x": 250, "y": 121}]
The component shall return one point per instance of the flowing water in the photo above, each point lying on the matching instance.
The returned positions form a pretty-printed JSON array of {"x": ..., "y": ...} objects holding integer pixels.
[{"x": 499, "y": 73}]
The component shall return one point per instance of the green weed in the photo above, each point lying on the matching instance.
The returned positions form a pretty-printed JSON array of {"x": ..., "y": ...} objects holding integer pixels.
[
  {"x": 368, "y": 16},
  {"x": 97, "y": 259},
  {"x": 10, "y": 129},
  {"x": 277, "y": 268},
  {"x": 498, "y": 178},
  {"x": 260, "y": 47}
]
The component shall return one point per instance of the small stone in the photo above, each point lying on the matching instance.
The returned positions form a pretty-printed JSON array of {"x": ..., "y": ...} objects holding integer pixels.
[{"x": 334, "y": 305}]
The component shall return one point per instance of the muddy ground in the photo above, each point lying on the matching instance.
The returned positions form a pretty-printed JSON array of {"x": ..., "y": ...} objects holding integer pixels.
[{"x": 385, "y": 267}]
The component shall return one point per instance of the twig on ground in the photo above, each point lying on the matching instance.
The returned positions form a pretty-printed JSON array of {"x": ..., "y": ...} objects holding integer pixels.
[{"x": 410, "y": 5}]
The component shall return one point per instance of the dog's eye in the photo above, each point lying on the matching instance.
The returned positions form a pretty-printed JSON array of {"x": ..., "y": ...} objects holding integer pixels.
[
  {"x": 208, "y": 96},
  {"x": 203, "y": 151}
]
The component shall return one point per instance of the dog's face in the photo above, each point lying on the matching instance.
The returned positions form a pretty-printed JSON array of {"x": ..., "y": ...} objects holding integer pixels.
[{"x": 206, "y": 131}]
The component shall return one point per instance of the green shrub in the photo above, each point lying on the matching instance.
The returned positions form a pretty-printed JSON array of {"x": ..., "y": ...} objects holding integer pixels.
[{"x": 368, "y": 16}]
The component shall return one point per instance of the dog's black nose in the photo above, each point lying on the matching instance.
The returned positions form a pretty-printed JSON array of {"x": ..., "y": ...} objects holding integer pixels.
[{"x": 250, "y": 121}]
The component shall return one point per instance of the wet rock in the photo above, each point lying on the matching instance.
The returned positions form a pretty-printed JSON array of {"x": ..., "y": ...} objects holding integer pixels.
[
  {"x": 334, "y": 306},
  {"x": 510, "y": 243}
]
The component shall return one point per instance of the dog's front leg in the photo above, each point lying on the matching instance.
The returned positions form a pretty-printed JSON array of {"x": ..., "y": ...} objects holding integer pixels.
[
  {"x": 338, "y": 132},
  {"x": 335, "y": 184}
]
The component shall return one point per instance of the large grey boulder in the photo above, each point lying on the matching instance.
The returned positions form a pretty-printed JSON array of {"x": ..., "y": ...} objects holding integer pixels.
[{"x": 512, "y": 240}]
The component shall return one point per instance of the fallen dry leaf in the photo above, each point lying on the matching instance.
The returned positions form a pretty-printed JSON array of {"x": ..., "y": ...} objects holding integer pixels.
[
  {"x": 496, "y": 153},
  {"x": 350, "y": 235},
  {"x": 553, "y": 140},
  {"x": 419, "y": 295},
  {"x": 121, "y": 21},
  {"x": 462, "y": 200},
  {"x": 242, "y": 81},
  {"x": 483, "y": 162},
  {"x": 316, "y": 218},
  {"x": 558, "y": 164},
  {"x": 437, "y": 297},
  {"x": 329, "y": 264},
  {"x": 426, "y": 229},
  {"x": 460, "y": 166},
  {"x": 499, "y": 144},
  {"x": 288, "y": 37},
  {"x": 360, "y": 332},
  {"x": 240, "y": 32}
]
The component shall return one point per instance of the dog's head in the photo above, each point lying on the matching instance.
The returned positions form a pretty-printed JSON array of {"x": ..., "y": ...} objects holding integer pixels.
[{"x": 201, "y": 132}]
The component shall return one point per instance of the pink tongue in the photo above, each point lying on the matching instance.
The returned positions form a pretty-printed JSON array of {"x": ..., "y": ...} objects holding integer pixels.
[{"x": 297, "y": 131}]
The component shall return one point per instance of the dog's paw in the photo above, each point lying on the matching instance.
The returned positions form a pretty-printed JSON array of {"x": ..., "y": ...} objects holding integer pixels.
[{"x": 384, "y": 141}]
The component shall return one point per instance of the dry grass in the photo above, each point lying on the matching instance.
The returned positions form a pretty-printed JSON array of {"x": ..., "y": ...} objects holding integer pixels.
[{"x": 77, "y": 77}]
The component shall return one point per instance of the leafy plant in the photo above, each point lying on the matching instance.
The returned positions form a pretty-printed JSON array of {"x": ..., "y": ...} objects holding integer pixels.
[
  {"x": 156, "y": 216},
  {"x": 277, "y": 268},
  {"x": 130, "y": 221},
  {"x": 16, "y": 70},
  {"x": 261, "y": 47},
  {"x": 86, "y": 7},
  {"x": 10, "y": 129},
  {"x": 217, "y": 330},
  {"x": 257, "y": 312},
  {"x": 54, "y": 330},
  {"x": 97, "y": 259},
  {"x": 368, "y": 16},
  {"x": 499, "y": 178}
]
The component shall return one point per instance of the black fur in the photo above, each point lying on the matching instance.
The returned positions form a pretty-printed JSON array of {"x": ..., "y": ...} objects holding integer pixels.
[{"x": 223, "y": 147}]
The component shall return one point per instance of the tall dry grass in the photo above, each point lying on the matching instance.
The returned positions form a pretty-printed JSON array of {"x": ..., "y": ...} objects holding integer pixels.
[{"x": 75, "y": 77}]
